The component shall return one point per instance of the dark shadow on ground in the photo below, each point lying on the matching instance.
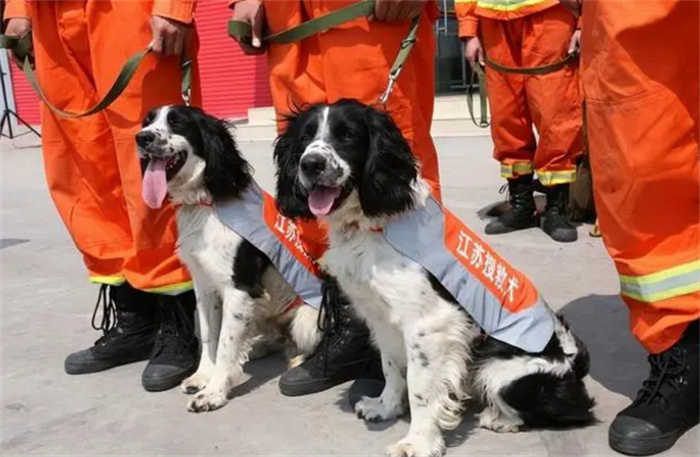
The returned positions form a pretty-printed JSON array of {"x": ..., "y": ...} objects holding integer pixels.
[
  {"x": 343, "y": 403},
  {"x": 453, "y": 438},
  {"x": 261, "y": 371},
  {"x": 458, "y": 436},
  {"x": 617, "y": 359},
  {"x": 9, "y": 242},
  {"x": 496, "y": 209}
]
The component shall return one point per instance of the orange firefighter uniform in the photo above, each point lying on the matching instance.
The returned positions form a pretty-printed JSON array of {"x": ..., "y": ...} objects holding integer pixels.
[
  {"x": 640, "y": 73},
  {"x": 353, "y": 61},
  {"x": 91, "y": 164},
  {"x": 527, "y": 33}
]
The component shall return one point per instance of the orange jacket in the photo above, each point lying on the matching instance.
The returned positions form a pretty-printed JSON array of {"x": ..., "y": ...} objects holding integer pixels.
[
  {"x": 469, "y": 11},
  {"x": 178, "y": 10}
]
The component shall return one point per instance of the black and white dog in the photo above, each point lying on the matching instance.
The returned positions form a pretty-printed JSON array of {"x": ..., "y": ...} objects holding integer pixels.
[
  {"x": 350, "y": 165},
  {"x": 241, "y": 298}
]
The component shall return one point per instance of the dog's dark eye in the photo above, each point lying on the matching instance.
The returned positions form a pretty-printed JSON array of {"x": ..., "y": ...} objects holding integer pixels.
[
  {"x": 148, "y": 120},
  {"x": 344, "y": 133},
  {"x": 307, "y": 136},
  {"x": 175, "y": 119}
]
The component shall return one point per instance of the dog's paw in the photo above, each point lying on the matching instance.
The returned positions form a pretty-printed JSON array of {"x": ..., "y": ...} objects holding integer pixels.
[
  {"x": 417, "y": 446},
  {"x": 375, "y": 410},
  {"x": 195, "y": 383},
  {"x": 499, "y": 423},
  {"x": 207, "y": 401}
]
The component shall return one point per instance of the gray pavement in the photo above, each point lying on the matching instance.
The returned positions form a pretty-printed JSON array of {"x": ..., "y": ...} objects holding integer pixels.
[{"x": 47, "y": 304}]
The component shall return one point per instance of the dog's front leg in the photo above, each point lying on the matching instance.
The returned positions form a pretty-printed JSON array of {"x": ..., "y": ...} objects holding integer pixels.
[
  {"x": 209, "y": 317},
  {"x": 434, "y": 382},
  {"x": 391, "y": 403},
  {"x": 231, "y": 351}
]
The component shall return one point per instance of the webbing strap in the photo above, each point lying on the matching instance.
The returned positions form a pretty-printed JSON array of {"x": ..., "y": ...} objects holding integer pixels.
[
  {"x": 541, "y": 70},
  {"x": 243, "y": 32},
  {"x": 401, "y": 58},
  {"x": 478, "y": 74},
  {"x": 22, "y": 48}
]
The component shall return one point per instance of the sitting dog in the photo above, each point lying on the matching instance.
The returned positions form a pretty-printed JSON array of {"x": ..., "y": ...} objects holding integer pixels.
[
  {"x": 241, "y": 296},
  {"x": 349, "y": 164}
]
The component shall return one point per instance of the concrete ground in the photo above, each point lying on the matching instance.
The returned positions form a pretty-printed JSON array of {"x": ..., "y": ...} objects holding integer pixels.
[{"x": 47, "y": 304}]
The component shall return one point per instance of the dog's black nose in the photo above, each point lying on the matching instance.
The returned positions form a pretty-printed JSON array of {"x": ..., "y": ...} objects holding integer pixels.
[
  {"x": 145, "y": 138},
  {"x": 313, "y": 164}
]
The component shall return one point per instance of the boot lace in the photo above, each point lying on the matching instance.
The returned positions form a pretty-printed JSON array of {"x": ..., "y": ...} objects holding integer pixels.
[
  {"x": 176, "y": 332},
  {"x": 109, "y": 313},
  {"x": 504, "y": 190},
  {"x": 329, "y": 321},
  {"x": 664, "y": 380}
]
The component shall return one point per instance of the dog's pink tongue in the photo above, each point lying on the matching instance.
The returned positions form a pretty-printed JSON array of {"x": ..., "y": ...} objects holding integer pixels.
[
  {"x": 321, "y": 199},
  {"x": 155, "y": 184}
]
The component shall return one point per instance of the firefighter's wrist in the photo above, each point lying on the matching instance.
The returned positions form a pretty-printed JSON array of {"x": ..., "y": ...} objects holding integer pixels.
[{"x": 232, "y": 3}]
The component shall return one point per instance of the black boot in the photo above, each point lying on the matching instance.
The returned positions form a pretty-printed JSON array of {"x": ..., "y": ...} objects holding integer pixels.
[
  {"x": 666, "y": 406},
  {"x": 555, "y": 222},
  {"x": 128, "y": 326},
  {"x": 176, "y": 350},
  {"x": 522, "y": 213},
  {"x": 343, "y": 353},
  {"x": 368, "y": 384}
]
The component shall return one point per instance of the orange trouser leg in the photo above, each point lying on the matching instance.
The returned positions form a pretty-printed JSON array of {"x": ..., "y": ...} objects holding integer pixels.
[
  {"x": 552, "y": 102},
  {"x": 643, "y": 104},
  {"x": 554, "y": 99},
  {"x": 92, "y": 168},
  {"x": 353, "y": 61},
  {"x": 511, "y": 122}
]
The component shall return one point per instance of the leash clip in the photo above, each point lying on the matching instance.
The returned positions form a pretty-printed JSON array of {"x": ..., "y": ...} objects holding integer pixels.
[
  {"x": 186, "y": 83},
  {"x": 405, "y": 49},
  {"x": 385, "y": 96}
]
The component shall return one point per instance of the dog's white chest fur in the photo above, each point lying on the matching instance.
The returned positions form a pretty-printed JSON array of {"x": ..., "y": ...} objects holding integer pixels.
[
  {"x": 206, "y": 243},
  {"x": 384, "y": 285}
]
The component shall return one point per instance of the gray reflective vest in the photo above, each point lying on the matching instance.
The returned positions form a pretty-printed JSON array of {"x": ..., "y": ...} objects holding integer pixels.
[
  {"x": 254, "y": 217},
  {"x": 499, "y": 298}
]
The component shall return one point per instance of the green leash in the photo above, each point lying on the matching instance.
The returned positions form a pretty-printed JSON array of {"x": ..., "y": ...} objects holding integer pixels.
[
  {"x": 541, "y": 70},
  {"x": 22, "y": 48},
  {"x": 479, "y": 74},
  {"x": 242, "y": 32}
]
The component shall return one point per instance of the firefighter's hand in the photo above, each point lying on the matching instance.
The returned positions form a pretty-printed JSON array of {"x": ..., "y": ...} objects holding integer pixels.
[
  {"x": 573, "y": 5},
  {"x": 575, "y": 43},
  {"x": 170, "y": 37},
  {"x": 251, "y": 12},
  {"x": 19, "y": 26},
  {"x": 473, "y": 51},
  {"x": 398, "y": 10}
]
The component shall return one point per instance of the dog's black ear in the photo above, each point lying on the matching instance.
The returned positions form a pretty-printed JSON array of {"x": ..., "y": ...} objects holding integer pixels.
[
  {"x": 390, "y": 169},
  {"x": 226, "y": 173},
  {"x": 291, "y": 198}
]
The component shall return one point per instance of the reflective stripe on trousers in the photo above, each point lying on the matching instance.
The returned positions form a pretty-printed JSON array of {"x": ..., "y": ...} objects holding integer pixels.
[
  {"x": 245, "y": 217},
  {"x": 662, "y": 285},
  {"x": 420, "y": 236}
]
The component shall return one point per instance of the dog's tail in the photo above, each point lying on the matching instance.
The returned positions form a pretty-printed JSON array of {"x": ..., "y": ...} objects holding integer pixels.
[
  {"x": 304, "y": 329},
  {"x": 554, "y": 400}
]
